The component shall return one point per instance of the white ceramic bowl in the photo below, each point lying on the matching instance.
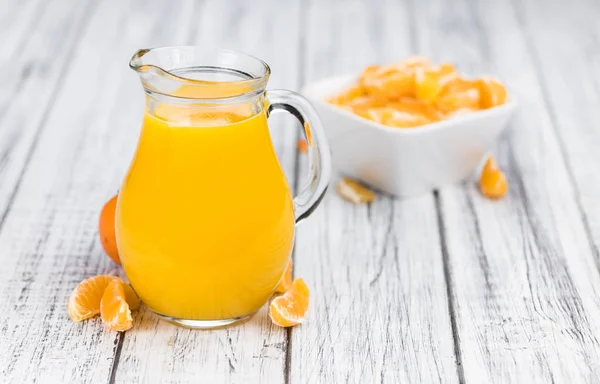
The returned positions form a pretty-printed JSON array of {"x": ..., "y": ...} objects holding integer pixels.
[{"x": 405, "y": 162}]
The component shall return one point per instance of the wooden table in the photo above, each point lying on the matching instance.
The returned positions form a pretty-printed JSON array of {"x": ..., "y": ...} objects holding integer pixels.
[{"x": 446, "y": 287}]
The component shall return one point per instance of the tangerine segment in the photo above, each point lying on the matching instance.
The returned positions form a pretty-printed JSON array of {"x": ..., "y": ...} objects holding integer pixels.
[
  {"x": 492, "y": 92},
  {"x": 405, "y": 113},
  {"x": 407, "y": 65},
  {"x": 85, "y": 299},
  {"x": 366, "y": 102},
  {"x": 353, "y": 192},
  {"x": 378, "y": 115},
  {"x": 114, "y": 310},
  {"x": 427, "y": 85},
  {"x": 347, "y": 96},
  {"x": 286, "y": 280},
  {"x": 417, "y": 107},
  {"x": 492, "y": 182},
  {"x": 447, "y": 72},
  {"x": 393, "y": 81},
  {"x": 401, "y": 119},
  {"x": 106, "y": 229},
  {"x": 290, "y": 308},
  {"x": 459, "y": 93},
  {"x": 394, "y": 118},
  {"x": 413, "y": 62},
  {"x": 369, "y": 72},
  {"x": 391, "y": 85},
  {"x": 430, "y": 81}
]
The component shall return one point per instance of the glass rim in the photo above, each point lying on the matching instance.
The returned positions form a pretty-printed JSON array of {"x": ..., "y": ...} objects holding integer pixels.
[{"x": 255, "y": 83}]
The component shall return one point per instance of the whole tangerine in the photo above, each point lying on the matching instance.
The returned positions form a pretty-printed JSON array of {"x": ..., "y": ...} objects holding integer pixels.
[{"x": 107, "y": 231}]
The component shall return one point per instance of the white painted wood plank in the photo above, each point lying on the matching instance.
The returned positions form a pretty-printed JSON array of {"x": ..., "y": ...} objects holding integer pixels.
[
  {"x": 379, "y": 310},
  {"x": 156, "y": 351},
  {"x": 566, "y": 57},
  {"x": 17, "y": 23},
  {"x": 524, "y": 281},
  {"x": 49, "y": 240},
  {"x": 36, "y": 44}
]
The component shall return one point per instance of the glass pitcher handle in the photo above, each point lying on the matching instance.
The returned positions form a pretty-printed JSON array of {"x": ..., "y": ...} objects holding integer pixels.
[{"x": 319, "y": 157}]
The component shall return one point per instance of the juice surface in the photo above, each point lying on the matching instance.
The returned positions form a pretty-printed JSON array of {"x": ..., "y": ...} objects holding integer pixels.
[{"x": 205, "y": 218}]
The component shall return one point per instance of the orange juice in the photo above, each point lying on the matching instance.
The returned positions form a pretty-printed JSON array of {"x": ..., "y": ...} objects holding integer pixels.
[{"x": 205, "y": 217}]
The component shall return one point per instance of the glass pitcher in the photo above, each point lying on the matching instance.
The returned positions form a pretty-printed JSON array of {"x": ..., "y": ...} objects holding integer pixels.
[{"x": 205, "y": 218}]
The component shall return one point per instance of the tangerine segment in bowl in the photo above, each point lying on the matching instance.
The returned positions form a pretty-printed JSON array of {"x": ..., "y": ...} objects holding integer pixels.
[
  {"x": 492, "y": 92},
  {"x": 85, "y": 299},
  {"x": 290, "y": 308},
  {"x": 414, "y": 92},
  {"x": 458, "y": 94},
  {"x": 429, "y": 82}
]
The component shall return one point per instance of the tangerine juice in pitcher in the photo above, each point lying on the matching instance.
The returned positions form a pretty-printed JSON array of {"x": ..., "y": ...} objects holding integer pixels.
[{"x": 205, "y": 217}]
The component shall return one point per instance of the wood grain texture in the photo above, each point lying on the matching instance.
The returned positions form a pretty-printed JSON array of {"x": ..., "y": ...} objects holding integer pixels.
[
  {"x": 49, "y": 240},
  {"x": 524, "y": 280},
  {"x": 155, "y": 351},
  {"x": 17, "y": 25},
  {"x": 567, "y": 59},
  {"x": 370, "y": 319},
  {"x": 37, "y": 42}
]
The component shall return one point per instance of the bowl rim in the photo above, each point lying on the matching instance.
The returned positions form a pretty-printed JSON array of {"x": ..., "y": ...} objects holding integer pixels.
[{"x": 507, "y": 107}]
